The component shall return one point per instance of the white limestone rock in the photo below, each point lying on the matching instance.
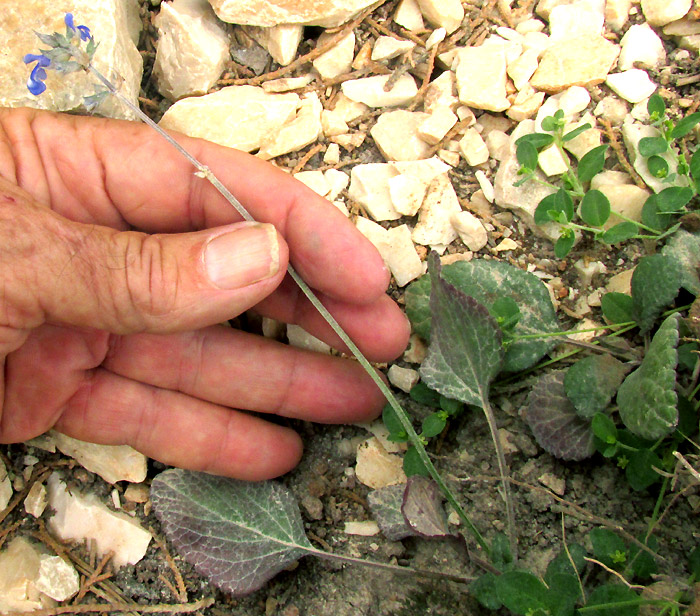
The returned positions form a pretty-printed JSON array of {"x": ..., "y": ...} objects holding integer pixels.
[
  {"x": 36, "y": 500},
  {"x": 301, "y": 339},
  {"x": 612, "y": 109},
  {"x": 437, "y": 125},
  {"x": 662, "y": 12},
  {"x": 586, "y": 269},
  {"x": 376, "y": 468},
  {"x": 192, "y": 48},
  {"x": 332, "y": 154},
  {"x": 470, "y": 230},
  {"x": 111, "y": 462},
  {"x": 315, "y": 180},
  {"x": 337, "y": 181},
  {"x": 397, "y": 136},
  {"x": 473, "y": 148},
  {"x": 497, "y": 143},
  {"x": 682, "y": 27},
  {"x": 526, "y": 104},
  {"x": 285, "y": 84},
  {"x": 388, "y": 47},
  {"x": 281, "y": 41},
  {"x": 436, "y": 37},
  {"x": 552, "y": 161},
  {"x": 617, "y": 13},
  {"x": 117, "y": 55},
  {"x": 577, "y": 19},
  {"x": 80, "y": 518},
  {"x": 407, "y": 194},
  {"x": 338, "y": 59},
  {"x": 424, "y": 170},
  {"x": 257, "y": 114},
  {"x": 57, "y": 578},
  {"x": 403, "y": 378},
  {"x": 408, "y": 16},
  {"x": 365, "y": 528},
  {"x": 626, "y": 200},
  {"x": 19, "y": 568},
  {"x": 523, "y": 68},
  {"x": 434, "y": 227},
  {"x": 5, "y": 487},
  {"x": 633, "y": 85},
  {"x": 297, "y": 132},
  {"x": 583, "y": 143},
  {"x": 446, "y": 14},
  {"x": 324, "y": 13},
  {"x": 641, "y": 45},
  {"x": 481, "y": 77},
  {"x": 441, "y": 92},
  {"x": 485, "y": 184},
  {"x": 369, "y": 186},
  {"x": 370, "y": 90}
]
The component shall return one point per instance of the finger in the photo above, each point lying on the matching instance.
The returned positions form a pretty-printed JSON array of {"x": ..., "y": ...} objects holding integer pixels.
[
  {"x": 177, "y": 429},
  {"x": 65, "y": 272},
  {"x": 130, "y": 173},
  {"x": 241, "y": 370}
]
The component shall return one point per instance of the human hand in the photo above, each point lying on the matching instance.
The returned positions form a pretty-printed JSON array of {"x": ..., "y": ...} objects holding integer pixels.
[{"x": 116, "y": 262}]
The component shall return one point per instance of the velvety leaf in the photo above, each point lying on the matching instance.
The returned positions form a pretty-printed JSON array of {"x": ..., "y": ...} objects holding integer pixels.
[
  {"x": 647, "y": 398},
  {"x": 655, "y": 284},
  {"x": 608, "y": 548},
  {"x": 487, "y": 281},
  {"x": 617, "y": 307},
  {"x": 465, "y": 351},
  {"x": 237, "y": 534},
  {"x": 685, "y": 125},
  {"x": 422, "y": 508},
  {"x": 521, "y": 591},
  {"x": 609, "y": 595},
  {"x": 595, "y": 208},
  {"x": 591, "y": 383},
  {"x": 591, "y": 163},
  {"x": 554, "y": 422},
  {"x": 684, "y": 248},
  {"x": 385, "y": 505}
]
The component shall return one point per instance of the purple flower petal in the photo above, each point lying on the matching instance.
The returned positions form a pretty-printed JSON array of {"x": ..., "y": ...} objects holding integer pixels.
[
  {"x": 69, "y": 21},
  {"x": 35, "y": 87},
  {"x": 41, "y": 60},
  {"x": 84, "y": 33}
]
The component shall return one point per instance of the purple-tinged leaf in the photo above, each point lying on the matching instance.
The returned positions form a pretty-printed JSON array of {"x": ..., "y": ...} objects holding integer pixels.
[
  {"x": 554, "y": 422},
  {"x": 385, "y": 505},
  {"x": 235, "y": 533},
  {"x": 422, "y": 508}
]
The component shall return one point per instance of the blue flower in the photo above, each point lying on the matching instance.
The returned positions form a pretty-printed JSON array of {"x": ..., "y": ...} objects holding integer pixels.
[
  {"x": 35, "y": 83},
  {"x": 83, "y": 31}
]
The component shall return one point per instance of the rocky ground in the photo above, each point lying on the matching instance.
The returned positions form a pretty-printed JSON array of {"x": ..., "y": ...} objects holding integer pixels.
[{"x": 402, "y": 115}]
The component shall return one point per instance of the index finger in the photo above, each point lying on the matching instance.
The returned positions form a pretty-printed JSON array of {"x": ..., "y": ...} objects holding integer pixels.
[{"x": 101, "y": 170}]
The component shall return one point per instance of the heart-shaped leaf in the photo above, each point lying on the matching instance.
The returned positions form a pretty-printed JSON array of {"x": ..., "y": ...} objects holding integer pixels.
[
  {"x": 647, "y": 398},
  {"x": 422, "y": 507},
  {"x": 235, "y": 533}
]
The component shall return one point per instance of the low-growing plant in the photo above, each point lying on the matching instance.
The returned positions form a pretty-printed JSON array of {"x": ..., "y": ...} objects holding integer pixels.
[{"x": 576, "y": 207}]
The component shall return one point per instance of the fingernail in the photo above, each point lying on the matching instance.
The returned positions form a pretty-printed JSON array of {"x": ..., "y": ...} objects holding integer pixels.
[{"x": 243, "y": 256}]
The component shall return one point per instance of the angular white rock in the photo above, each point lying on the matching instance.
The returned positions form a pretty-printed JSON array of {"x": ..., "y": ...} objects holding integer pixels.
[
  {"x": 441, "y": 92},
  {"x": 473, "y": 148},
  {"x": 376, "y": 468},
  {"x": 296, "y": 133},
  {"x": 396, "y": 134},
  {"x": 437, "y": 125},
  {"x": 192, "y": 48},
  {"x": 552, "y": 161},
  {"x": 301, "y": 339},
  {"x": 315, "y": 180},
  {"x": 481, "y": 77},
  {"x": 526, "y": 104},
  {"x": 662, "y": 12},
  {"x": 577, "y": 19},
  {"x": 403, "y": 378},
  {"x": 369, "y": 186},
  {"x": 280, "y": 41},
  {"x": 424, "y": 170},
  {"x": 36, "y": 500},
  {"x": 446, "y": 14},
  {"x": 370, "y": 90},
  {"x": 583, "y": 143},
  {"x": 523, "y": 68},
  {"x": 5, "y": 487},
  {"x": 366, "y": 528},
  {"x": 337, "y": 182},
  {"x": 111, "y": 462},
  {"x": 633, "y": 85},
  {"x": 408, "y": 15},
  {"x": 257, "y": 114},
  {"x": 497, "y": 143},
  {"x": 611, "y": 109},
  {"x": 407, "y": 194},
  {"x": 117, "y": 55},
  {"x": 57, "y": 579},
  {"x": 437, "y": 36},
  {"x": 642, "y": 45},
  {"x": 332, "y": 155},
  {"x": 327, "y": 13},
  {"x": 626, "y": 200},
  {"x": 19, "y": 568},
  {"x": 470, "y": 230},
  {"x": 434, "y": 227},
  {"x": 338, "y": 59},
  {"x": 485, "y": 184},
  {"x": 80, "y": 518},
  {"x": 617, "y": 13},
  {"x": 388, "y": 47},
  {"x": 285, "y": 84}
]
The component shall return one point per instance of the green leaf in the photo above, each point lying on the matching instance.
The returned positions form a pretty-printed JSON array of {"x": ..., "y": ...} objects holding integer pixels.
[
  {"x": 607, "y": 596},
  {"x": 649, "y": 146},
  {"x": 563, "y": 594},
  {"x": 433, "y": 425},
  {"x": 684, "y": 248},
  {"x": 639, "y": 471},
  {"x": 673, "y": 198},
  {"x": 550, "y": 124},
  {"x": 487, "y": 281},
  {"x": 658, "y": 167},
  {"x": 576, "y": 132},
  {"x": 450, "y": 406},
  {"x": 501, "y": 556},
  {"x": 652, "y": 216},
  {"x": 621, "y": 232},
  {"x": 617, "y": 307},
  {"x": 422, "y": 394},
  {"x": 412, "y": 464},
  {"x": 483, "y": 589},
  {"x": 238, "y": 534},
  {"x": 694, "y": 562},
  {"x": 608, "y": 548},
  {"x": 546, "y": 205},
  {"x": 604, "y": 428},
  {"x": 656, "y": 106},
  {"x": 595, "y": 208},
  {"x": 591, "y": 163},
  {"x": 564, "y": 244},
  {"x": 392, "y": 423},
  {"x": 465, "y": 351},
  {"x": 538, "y": 140},
  {"x": 695, "y": 168},
  {"x": 642, "y": 563},
  {"x": 685, "y": 125},
  {"x": 527, "y": 155},
  {"x": 506, "y": 312},
  {"x": 561, "y": 563},
  {"x": 521, "y": 591},
  {"x": 591, "y": 383},
  {"x": 647, "y": 398},
  {"x": 655, "y": 284},
  {"x": 554, "y": 422}
]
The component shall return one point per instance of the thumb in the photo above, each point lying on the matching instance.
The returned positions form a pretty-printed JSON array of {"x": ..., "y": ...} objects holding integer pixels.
[{"x": 60, "y": 271}]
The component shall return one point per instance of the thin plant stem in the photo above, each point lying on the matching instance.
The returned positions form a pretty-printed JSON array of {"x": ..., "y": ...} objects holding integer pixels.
[{"x": 204, "y": 172}]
